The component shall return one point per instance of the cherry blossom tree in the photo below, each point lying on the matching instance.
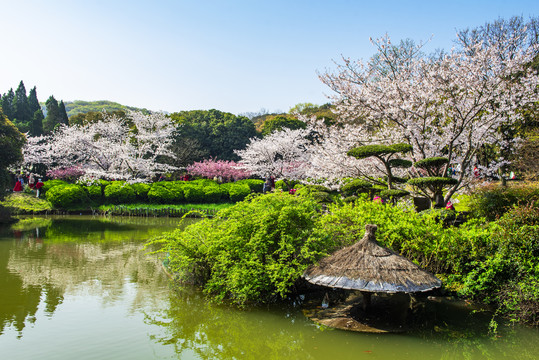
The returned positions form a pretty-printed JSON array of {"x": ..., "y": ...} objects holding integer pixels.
[
  {"x": 282, "y": 154},
  {"x": 211, "y": 168},
  {"x": 447, "y": 105},
  {"x": 109, "y": 148}
]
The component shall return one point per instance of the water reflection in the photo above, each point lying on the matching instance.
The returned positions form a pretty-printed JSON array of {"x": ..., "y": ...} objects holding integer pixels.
[
  {"x": 82, "y": 288},
  {"x": 52, "y": 256}
]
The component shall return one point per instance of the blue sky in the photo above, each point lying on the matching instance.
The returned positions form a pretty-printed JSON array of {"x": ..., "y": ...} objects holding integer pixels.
[{"x": 231, "y": 55}]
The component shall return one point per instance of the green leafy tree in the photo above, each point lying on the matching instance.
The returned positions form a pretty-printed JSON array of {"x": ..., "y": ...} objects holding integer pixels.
[
  {"x": 91, "y": 117},
  {"x": 220, "y": 133},
  {"x": 433, "y": 184},
  {"x": 280, "y": 122},
  {"x": 11, "y": 142}
]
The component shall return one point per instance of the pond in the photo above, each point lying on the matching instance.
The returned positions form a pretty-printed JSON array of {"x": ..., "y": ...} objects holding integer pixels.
[{"x": 84, "y": 288}]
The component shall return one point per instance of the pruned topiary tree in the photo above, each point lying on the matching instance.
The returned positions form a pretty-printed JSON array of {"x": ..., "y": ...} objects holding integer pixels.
[
  {"x": 386, "y": 155},
  {"x": 432, "y": 185}
]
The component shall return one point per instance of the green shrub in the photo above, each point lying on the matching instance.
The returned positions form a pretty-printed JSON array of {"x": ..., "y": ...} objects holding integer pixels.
[
  {"x": 49, "y": 184},
  {"x": 119, "y": 193},
  {"x": 141, "y": 191},
  {"x": 95, "y": 193},
  {"x": 253, "y": 251},
  {"x": 193, "y": 194},
  {"x": 492, "y": 201},
  {"x": 214, "y": 194},
  {"x": 355, "y": 187},
  {"x": 321, "y": 196},
  {"x": 281, "y": 184},
  {"x": 66, "y": 196},
  {"x": 255, "y": 185},
  {"x": 508, "y": 276},
  {"x": 165, "y": 192},
  {"x": 238, "y": 192}
]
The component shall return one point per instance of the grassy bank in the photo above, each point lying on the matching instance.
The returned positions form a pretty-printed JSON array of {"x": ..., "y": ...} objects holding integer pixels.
[{"x": 26, "y": 204}]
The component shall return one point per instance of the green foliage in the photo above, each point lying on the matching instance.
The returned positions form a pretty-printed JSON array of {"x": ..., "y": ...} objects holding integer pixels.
[
  {"x": 255, "y": 185},
  {"x": 492, "y": 201},
  {"x": 78, "y": 106},
  {"x": 20, "y": 203},
  {"x": 215, "y": 194},
  {"x": 119, "y": 193},
  {"x": 280, "y": 122},
  {"x": 252, "y": 252},
  {"x": 321, "y": 197},
  {"x": 282, "y": 185},
  {"x": 165, "y": 193},
  {"x": 219, "y": 133},
  {"x": 49, "y": 184},
  {"x": 366, "y": 151},
  {"x": 355, "y": 186},
  {"x": 432, "y": 181},
  {"x": 11, "y": 142},
  {"x": 67, "y": 196},
  {"x": 141, "y": 191},
  {"x": 508, "y": 275},
  {"x": 95, "y": 193},
  {"x": 400, "y": 163},
  {"x": 193, "y": 193},
  {"x": 434, "y": 162},
  {"x": 238, "y": 192}
]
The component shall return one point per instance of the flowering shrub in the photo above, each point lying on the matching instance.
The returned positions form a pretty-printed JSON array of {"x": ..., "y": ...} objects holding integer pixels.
[
  {"x": 211, "y": 168},
  {"x": 69, "y": 174}
]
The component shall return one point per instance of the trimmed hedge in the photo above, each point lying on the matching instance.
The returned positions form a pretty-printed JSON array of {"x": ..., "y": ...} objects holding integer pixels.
[
  {"x": 119, "y": 193},
  {"x": 65, "y": 196}
]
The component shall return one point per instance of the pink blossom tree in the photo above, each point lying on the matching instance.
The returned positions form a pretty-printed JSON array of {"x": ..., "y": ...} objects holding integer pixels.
[
  {"x": 211, "y": 168},
  {"x": 448, "y": 105}
]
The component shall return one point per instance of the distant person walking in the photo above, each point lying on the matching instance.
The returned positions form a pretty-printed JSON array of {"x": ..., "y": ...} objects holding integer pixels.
[{"x": 18, "y": 186}]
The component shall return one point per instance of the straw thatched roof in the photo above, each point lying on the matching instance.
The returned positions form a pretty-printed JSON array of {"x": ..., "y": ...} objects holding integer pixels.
[{"x": 367, "y": 266}]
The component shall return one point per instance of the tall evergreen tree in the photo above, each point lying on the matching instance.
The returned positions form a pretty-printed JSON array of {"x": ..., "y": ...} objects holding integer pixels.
[
  {"x": 33, "y": 102},
  {"x": 7, "y": 104},
  {"x": 53, "y": 115},
  {"x": 37, "y": 123},
  {"x": 63, "y": 114},
  {"x": 22, "y": 118}
]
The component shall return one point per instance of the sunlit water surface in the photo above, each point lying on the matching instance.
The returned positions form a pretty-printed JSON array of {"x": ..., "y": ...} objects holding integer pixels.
[{"x": 84, "y": 288}]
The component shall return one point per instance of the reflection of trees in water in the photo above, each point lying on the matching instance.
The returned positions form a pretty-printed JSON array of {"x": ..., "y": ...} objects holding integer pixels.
[
  {"x": 192, "y": 324},
  {"x": 39, "y": 274}
]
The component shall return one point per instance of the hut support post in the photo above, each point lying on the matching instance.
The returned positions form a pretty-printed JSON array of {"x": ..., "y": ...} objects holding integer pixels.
[{"x": 366, "y": 299}]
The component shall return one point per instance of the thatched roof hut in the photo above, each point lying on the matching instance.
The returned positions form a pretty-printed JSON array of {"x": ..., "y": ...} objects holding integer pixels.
[{"x": 369, "y": 267}]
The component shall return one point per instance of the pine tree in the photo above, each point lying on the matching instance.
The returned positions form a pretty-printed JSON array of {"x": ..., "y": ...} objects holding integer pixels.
[
  {"x": 53, "y": 115},
  {"x": 63, "y": 114},
  {"x": 22, "y": 118},
  {"x": 33, "y": 102},
  {"x": 7, "y": 104},
  {"x": 37, "y": 123}
]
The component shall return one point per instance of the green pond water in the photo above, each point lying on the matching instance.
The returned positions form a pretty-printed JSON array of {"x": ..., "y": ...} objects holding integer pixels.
[{"x": 84, "y": 288}]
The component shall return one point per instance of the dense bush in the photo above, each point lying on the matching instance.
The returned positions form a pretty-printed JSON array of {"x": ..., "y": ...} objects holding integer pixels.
[
  {"x": 165, "y": 193},
  {"x": 282, "y": 185},
  {"x": 95, "y": 193},
  {"x": 355, "y": 187},
  {"x": 214, "y": 194},
  {"x": 238, "y": 192},
  {"x": 508, "y": 276},
  {"x": 255, "y": 185},
  {"x": 119, "y": 193},
  {"x": 141, "y": 191},
  {"x": 66, "y": 196},
  {"x": 193, "y": 193},
  {"x": 253, "y": 251},
  {"x": 49, "y": 184},
  {"x": 492, "y": 201}
]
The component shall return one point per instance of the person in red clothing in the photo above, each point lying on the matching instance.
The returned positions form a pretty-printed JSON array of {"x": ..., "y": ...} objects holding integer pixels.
[
  {"x": 38, "y": 186},
  {"x": 18, "y": 186}
]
